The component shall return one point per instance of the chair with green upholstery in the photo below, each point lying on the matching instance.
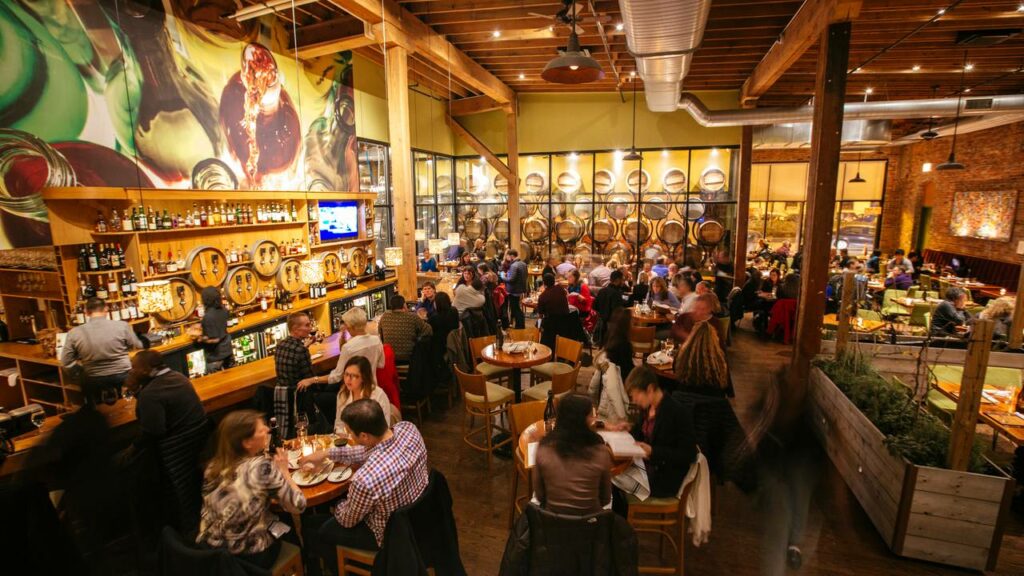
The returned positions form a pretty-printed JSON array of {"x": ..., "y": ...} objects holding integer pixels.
[
  {"x": 869, "y": 315},
  {"x": 891, "y": 308},
  {"x": 974, "y": 309},
  {"x": 943, "y": 286},
  {"x": 938, "y": 403},
  {"x": 915, "y": 292},
  {"x": 917, "y": 314},
  {"x": 932, "y": 294},
  {"x": 925, "y": 280}
]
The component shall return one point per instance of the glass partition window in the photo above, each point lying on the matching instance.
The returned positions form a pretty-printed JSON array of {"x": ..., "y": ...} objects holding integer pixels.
[{"x": 375, "y": 176}]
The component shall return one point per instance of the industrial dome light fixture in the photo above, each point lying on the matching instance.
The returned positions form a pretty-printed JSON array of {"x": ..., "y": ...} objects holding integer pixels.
[
  {"x": 951, "y": 163},
  {"x": 574, "y": 65},
  {"x": 931, "y": 134},
  {"x": 633, "y": 155},
  {"x": 857, "y": 179}
]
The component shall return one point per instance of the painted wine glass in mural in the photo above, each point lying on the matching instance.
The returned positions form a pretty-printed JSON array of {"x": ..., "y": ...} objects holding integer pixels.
[{"x": 259, "y": 118}]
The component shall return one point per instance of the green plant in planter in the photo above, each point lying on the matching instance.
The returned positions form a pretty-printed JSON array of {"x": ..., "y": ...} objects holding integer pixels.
[{"x": 909, "y": 431}]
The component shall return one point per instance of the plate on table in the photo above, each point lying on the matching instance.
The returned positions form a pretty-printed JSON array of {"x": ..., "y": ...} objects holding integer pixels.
[
  {"x": 339, "y": 474},
  {"x": 312, "y": 477},
  {"x": 515, "y": 347},
  {"x": 658, "y": 358},
  {"x": 293, "y": 459}
]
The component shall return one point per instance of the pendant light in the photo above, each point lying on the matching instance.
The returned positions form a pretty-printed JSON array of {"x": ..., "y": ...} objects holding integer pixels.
[
  {"x": 574, "y": 65},
  {"x": 857, "y": 179},
  {"x": 931, "y": 134},
  {"x": 633, "y": 155},
  {"x": 951, "y": 163}
]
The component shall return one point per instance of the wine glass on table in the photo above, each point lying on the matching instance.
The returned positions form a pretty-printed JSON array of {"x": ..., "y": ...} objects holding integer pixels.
[{"x": 301, "y": 427}]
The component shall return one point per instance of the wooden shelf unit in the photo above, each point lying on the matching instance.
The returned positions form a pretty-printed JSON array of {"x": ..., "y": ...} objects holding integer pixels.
[{"x": 343, "y": 243}]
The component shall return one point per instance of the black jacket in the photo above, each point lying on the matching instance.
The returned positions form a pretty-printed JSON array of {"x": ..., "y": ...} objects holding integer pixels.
[
  {"x": 420, "y": 382},
  {"x": 608, "y": 300},
  {"x": 946, "y": 318},
  {"x": 545, "y": 543},
  {"x": 673, "y": 447},
  {"x": 422, "y": 535}
]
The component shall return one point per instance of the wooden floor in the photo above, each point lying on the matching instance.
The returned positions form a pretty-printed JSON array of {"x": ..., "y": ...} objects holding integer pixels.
[{"x": 749, "y": 531}]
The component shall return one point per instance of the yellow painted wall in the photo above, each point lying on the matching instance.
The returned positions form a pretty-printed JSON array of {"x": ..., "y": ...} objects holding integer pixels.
[
  {"x": 426, "y": 114},
  {"x": 598, "y": 121}
]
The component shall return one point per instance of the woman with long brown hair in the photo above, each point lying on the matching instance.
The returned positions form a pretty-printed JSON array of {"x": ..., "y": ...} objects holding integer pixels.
[
  {"x": 573, "y": 471},
  {"x": 240, "y": 481},
  {"x": 357, "y": 383}
]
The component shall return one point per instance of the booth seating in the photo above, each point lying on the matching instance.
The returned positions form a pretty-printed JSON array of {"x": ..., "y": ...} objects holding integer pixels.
[
  {"x": 994, "y": 376},
  {"x": 989, "y": 271}
]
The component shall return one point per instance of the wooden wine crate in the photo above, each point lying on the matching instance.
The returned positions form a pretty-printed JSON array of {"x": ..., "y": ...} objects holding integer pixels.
[{"x": 933, "y": 514}]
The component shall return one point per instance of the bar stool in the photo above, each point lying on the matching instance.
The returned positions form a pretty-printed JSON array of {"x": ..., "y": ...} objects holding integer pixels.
[{"x": 485, "y": 399}]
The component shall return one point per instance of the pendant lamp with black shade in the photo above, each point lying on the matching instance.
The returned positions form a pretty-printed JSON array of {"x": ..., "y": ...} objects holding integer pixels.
[
  {"x": 574, "y": 65},
  {"x": 931, "y": 134},
  {"x": 951, "y": 163},
  {"x": 857, "y": 179},
  {"x": 633, "y": 155}
]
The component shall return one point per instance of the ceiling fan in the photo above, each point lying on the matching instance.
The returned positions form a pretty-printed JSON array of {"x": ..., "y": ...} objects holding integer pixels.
[{"x": 563, "y": 17}]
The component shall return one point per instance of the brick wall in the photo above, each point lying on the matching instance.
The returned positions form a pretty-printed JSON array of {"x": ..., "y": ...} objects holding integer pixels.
[{"x": 995, "y": 161}]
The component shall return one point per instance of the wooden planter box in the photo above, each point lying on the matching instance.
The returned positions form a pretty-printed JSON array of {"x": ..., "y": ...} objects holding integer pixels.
[{"x": 933, "y": 514}]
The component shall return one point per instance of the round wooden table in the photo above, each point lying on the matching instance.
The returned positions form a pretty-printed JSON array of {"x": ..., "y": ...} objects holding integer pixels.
[
  {"x": 537, "y": 355},
  {"x": 536, "y": 431},
  {"x": 652, "y": 318},
  {"x": 325, "y": 491}
]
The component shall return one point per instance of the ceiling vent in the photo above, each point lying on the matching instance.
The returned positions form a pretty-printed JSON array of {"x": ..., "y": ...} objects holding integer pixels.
[{"x": 978, "y": 38}]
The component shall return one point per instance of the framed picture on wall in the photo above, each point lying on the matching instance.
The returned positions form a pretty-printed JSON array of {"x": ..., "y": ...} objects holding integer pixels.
[{"x": 988, "y": 215}]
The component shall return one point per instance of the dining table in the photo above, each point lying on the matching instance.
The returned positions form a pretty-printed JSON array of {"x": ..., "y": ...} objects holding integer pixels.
[
  {"x": 535, "y": 355},
  {"x": 858, "y": 324},
  {"x": 997, "y": 409},
  {"x": 535, "y": 432},
  {"x": 324, "y": 491},
  {"x": 653, "y": 318}
]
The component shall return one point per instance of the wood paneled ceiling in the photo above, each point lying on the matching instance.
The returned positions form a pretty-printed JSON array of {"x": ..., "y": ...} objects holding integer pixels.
[{"x": 513, "y": 39}]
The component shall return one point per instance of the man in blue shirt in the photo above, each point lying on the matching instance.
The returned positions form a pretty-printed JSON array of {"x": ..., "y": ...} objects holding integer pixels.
[
  {"x": 660, "y": 269},
  {"x": 428, "y": 264},
  {"x": 516, "y": 283}
]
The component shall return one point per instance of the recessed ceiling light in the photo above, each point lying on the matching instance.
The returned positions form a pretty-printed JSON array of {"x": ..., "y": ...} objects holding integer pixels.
[
  {"x": 632, "y": 73},
  {"x": 869, "y": 90},
  {"x": 664, "y": 153},
  {"x": 714, "y": 152},
  {"x": 483, "y": 160},
  {"x": 942, "y": 11},
  {"x": 496, "y": 33},
  {"x": 969, "y": 67},
  {"x": 522, "y": 76},
  {"x": 572, "y": 156},
  {"x": 1020, "y": 8},
  {"x": 916, "y": 67},
  {"x": 966, "y": 90},
  {"x": 619, "y": 26}
]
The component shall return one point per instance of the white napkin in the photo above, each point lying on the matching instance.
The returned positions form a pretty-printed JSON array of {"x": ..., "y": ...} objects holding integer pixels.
[{"x": 659, "y": 357}]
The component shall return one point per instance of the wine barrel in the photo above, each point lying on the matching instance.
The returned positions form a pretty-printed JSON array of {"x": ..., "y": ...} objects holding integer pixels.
[
  {"x": 501, "y": 230},
  {"x": 289, "y": 276},
  {"x": 710, "y": 233},
  {"x": 656, "y": 207},
  {"x": 500, "y": 184},
  {"x": 357, "y": 261},
  {"x": 673, "y": 181},
  {"x": 604, "y": 230},
  {"x": 672, "y": 231},
  {"x": 582, "y": 249},
  {"x": 493, "y": 209},
  {"x": 265, "y": 258},
  {"x": 638, "y": 231},
  {"x": 552, "y": 251},
  {"x": 535, "y": 229},
  {"x": 241, "y": 287},
  {"x": 583, "y": 210},
  {"x": 207, "y": 266},
  {"x": 477, "y": 185},
  {"x": 604, "y": 181},
  {"x": 185, "y": 299},
  {"x": 694, "y": 209},
  {"x": 525, "y": 251},
  {"x": 619, "y": 250},
  {"x": 444, "y": 185},
  {"x": 460, "y": 186},
  {"x": 568, "y": 182},
  {"x": 474, "y": 228},
  {"x": 334, "y": 271},
  {"x": 712, "y": 183},
  {"x": 535, "y": 183},
  {"x": 621, "y": 206},
  {"x": 653, "y": 251},
  {"x": 569, "y": 230},
  {"x": 638, "y": 181}
]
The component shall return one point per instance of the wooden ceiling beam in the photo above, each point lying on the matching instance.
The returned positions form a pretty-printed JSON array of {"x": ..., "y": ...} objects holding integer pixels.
[
  {"x": 800, "y": 34},
  {"x": 474, "y": 105},
  {"x": 480, "y": 148},
  {"x": 403, "y": 27},
  {"x": 332, "y": 36}
]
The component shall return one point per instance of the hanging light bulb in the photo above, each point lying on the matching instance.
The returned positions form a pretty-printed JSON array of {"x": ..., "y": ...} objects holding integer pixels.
[
  {"x": 574, "y": 65},
  {"x": 951, "y": 163},
  {"x": 633, "y": 155}
]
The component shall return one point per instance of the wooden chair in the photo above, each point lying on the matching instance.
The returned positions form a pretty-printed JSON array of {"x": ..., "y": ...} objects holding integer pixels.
[
  {"x": 642, "y": 339},
  {"x": 568, "y": 351},
  {"x": 869, "y": 315},
  {"x": 725, "y": 325},
  {"x": 415, "y": 405},
  {"x": 665, "y": 517},
  {"x": 487, "y": 400},
  {"x": 491, "y": 371},
  {"x": 925, "y": 280},
  {"x": 561, "y": 383},
  {"x": 520, "y": 416},
  {"x": 531, "y": 334}
]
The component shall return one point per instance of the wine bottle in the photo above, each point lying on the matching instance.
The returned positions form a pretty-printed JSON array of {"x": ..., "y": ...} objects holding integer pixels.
[
  {"x": 93, "y": 259},
  {"x": 101, "y": 289},
  {"x": 88, "y": 290},
  {"x": 102, "y": 258},
  {"x": 83, "y": 260},
  {"x": 79, "y": 314},
  {"x": 101, "y": 222},
  {"x": 549, "y": 412},
  {"x": 112, "y": 287},
  {"x": 167, "y": 220},
  {"x": 172, "y": 264},
  {"x": 128, "y": 224},
  {"x": 115, "y": 220},
  {"x": 115, "y": 258},
  {"x": 275, "y": 436}
]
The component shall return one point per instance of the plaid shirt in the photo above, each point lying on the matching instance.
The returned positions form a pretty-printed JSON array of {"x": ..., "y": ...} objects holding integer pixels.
[
  {"x": 292, "y": 362},
  {"x": 394, "y": 473}
]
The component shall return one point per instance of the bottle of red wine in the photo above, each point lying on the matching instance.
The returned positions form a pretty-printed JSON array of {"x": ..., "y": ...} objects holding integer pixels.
[
  {"x": 275, "y": 436},
  {"x": 549, "y": 412}
]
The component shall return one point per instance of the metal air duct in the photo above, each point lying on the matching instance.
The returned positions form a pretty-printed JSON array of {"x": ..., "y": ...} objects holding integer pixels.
[{"x": 856, "y": 134}]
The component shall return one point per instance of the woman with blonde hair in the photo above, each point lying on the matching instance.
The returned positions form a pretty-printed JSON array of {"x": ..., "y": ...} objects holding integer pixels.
[
  {"x": 1000, "y": 311},
  {"x": 240, "y": 481},
  {"x": 700, "y": 364},
  {"x": 357, "y": 383}
]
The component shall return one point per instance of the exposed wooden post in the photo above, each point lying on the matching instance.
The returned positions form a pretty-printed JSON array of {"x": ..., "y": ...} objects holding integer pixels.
[
  {"x": 739, "y": 259},
  {"x": 512, "y": 145},
  {"x": 845, "y": 311},
  {"x": 1017, "y": 327},
  {"x": 401, "y": 166},
  {"x": 965, "y": 420},
  {"x": 479, "y": 147},
  {"x": 829, "y": 95}
]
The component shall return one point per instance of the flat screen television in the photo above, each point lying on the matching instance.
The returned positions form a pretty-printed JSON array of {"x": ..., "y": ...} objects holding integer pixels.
[{"x": 339, "y": 220}]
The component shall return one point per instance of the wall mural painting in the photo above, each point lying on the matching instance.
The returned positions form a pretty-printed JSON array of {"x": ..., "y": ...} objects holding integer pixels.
[
  {"x": 987, "y": 215},
  {"x": 162, "y": 94}
]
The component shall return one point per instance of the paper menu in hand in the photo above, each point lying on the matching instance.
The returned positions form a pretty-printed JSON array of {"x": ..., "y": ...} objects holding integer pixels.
[
  {"x": 531, "y": 454},
  {"x": 622, "y": 444}
]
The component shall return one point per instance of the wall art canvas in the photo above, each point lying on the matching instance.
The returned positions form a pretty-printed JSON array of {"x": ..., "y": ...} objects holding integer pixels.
[
  {"x": 162, "y": 94},
  {"x": 988, "y": 215}
]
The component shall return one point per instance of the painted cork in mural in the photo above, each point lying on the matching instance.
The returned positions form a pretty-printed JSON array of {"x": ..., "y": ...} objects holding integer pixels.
[{"x": 162, "y": 94}]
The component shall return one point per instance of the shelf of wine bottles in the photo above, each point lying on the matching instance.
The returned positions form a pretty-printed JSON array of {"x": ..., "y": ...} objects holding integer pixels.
[{"x": 146, "y": 219}]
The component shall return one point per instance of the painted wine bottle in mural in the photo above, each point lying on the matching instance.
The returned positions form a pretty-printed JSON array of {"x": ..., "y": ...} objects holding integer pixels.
[
  {"x": 260, "y": 121},
  {"x": 175, "y": 120}
]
